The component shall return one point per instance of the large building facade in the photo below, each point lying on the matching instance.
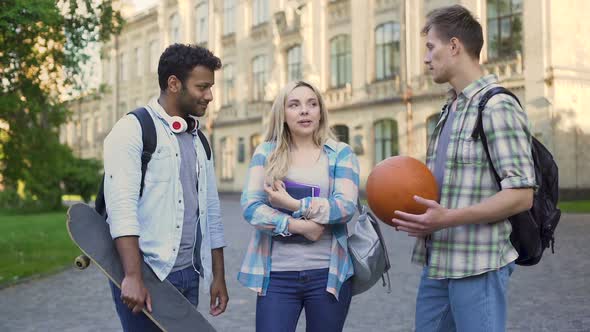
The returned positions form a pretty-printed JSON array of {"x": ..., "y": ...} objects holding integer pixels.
[{"x": 366, "y": 58}]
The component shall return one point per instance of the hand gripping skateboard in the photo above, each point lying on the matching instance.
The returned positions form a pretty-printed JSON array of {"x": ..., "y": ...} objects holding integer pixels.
[{"x": 171, "y": 311}]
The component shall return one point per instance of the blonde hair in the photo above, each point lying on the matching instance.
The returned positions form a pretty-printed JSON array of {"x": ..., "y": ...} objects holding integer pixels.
[{"x": 278, "y": 132}]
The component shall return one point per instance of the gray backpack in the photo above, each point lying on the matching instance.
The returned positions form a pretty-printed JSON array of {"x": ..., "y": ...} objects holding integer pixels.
[{"x": 368, "y": 253}]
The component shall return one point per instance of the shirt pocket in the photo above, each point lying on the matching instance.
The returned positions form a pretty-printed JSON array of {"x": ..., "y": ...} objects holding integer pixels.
[
  {"x": 160, "y": 166},
  {"x": 470, "y": 151}
]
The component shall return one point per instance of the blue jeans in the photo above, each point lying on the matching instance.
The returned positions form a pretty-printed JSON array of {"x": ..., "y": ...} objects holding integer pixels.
[
  {"x": 289, "y": 292},
  {"x": 476, "y": 303},
  {"x": 186, "y": 281}
]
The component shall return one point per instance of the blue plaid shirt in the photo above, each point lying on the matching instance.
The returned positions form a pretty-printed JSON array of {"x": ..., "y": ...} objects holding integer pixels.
[{"x": 336, "y": 210}]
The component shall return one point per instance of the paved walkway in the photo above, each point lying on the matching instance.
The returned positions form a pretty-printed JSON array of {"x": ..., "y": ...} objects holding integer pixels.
[{"x": 552, "y": 296}]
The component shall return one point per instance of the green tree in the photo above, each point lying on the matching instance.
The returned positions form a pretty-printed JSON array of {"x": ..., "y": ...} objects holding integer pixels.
[
  {"x": 43, "y": 47},
  {"x": 81, "y": 178}
]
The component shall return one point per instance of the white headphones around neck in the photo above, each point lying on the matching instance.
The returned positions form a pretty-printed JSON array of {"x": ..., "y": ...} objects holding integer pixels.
[{"x": 180, "y": 125}]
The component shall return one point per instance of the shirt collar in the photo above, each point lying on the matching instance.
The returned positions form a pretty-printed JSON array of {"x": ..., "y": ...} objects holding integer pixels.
[
  {"x": 473, "y": 88},
  {"x": 330, "y": 143}
]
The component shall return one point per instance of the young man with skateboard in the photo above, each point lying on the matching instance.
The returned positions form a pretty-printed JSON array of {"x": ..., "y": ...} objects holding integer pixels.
[{"x": 169, "y": 218}]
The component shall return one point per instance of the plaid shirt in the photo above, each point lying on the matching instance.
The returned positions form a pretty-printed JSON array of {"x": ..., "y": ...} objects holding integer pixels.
[
  {"x": 469, "y": 250},
  {"x": 337, "y": 210}
]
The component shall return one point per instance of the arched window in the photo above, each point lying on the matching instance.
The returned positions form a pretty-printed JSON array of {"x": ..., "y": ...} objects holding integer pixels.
[
  {"x": 340, "y": 61},
  {"x": 386, "y": 139},
  {"x": 341, "y": 132},
  {"x": 255, "y": 141},
  {"x": 259, "y": 12},
  {"x": 294, "y": 63},
  {"x": 228, "y": 85},
  {"x": 504, "y": 28},
  {"x": 229, "y": 26},
  {"x": 259, "y": 77},
  {"x": 387, "y": 51},
  {"x": 174, "y": 28},
  {"x": 202, "y": 22},
  {"x": 227, "y": 158}
]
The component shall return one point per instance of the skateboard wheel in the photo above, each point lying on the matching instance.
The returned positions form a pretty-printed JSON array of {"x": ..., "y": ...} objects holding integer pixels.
[{"x": 82, "y": 262}]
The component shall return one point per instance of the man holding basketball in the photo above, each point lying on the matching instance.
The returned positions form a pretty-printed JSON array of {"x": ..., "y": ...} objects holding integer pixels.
[{"x": 463, "y": 241}]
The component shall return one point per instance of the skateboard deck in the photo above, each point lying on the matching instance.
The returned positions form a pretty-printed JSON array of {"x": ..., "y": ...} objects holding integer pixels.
[{"x": 171, "y": 311}]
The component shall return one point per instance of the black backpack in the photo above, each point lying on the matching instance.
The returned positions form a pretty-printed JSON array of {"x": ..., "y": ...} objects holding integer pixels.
[
  {"x": 532, "y": 231},
  {"x": 150, "y": 141}
]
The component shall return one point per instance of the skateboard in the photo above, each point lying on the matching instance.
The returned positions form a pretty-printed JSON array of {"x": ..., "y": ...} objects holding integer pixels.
[{"x": 171, "y": 311}]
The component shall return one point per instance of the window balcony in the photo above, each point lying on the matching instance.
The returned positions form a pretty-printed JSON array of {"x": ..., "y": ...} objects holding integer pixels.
[
  {"x": 507, "y": 70},
  {"x": 384, "y": 89},
  {"x": 339, "y": 97},
  {"x": 226, "y": 113},
  {"x": 338, "y": 12},
  {"x": 257, "y": 109}
]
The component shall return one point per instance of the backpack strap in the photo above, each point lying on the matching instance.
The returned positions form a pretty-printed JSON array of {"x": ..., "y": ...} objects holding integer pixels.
[
  {"x": 205, "y": 143},
  {"x": 149, "y": 138},
  {"x": 478, "y": 130}
]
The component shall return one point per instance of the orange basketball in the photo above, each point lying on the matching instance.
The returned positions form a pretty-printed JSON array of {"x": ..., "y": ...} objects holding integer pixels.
[{"x": 393, "y": 183}]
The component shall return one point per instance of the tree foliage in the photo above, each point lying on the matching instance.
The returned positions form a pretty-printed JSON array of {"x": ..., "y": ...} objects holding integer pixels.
[{"x": 43, "y": 48}]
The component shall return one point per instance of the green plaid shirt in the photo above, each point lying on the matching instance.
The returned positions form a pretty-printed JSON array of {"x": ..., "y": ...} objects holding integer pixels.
[{"x": 469, "y": 250}]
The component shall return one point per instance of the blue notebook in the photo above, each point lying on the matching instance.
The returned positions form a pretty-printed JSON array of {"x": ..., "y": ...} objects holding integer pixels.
[{"x": 297, "y": 190}]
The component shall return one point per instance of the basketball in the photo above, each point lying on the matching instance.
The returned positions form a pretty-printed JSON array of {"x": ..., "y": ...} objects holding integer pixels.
[{"x": 393, "y": 183}]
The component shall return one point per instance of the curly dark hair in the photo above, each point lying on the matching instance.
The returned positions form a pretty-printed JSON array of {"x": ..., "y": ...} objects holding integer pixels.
[{"x": 180, "y": 59}]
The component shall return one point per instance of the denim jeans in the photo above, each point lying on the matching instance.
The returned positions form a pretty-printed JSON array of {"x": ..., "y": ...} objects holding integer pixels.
[
  {"x": 291, "y": 291},
  {"x": 186, "y": 281},
  {"x": 476, "y": 303}
]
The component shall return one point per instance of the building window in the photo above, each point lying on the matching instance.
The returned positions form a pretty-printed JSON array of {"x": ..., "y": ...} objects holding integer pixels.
[
  {"x": 259, "y": 12},
  {"x": 122, "y": 110},
  {"x": 357, "y": 145},
  {"x": 202, "y": 23},
  {"x": 229, "y": 26},
  {"x": 78, "y": 135},
  {"x": 71, "y": 133},
  {"x": 341, "y": 132},
  {"x": 387, "y": 51},
  {"x": 241, "y": 150},
  {"x": 341, "y": 61},
  {"x": 138, "y": 62},
  {"x": 107, "y": 70},
  {"x": 430, "y": 125},
  {"x": 123, "y": 67},
  {"x": 88, "y": 130},
  {"x": 504, "y": 28},
  {"x": 255, "y": 141},
  {"x": 294, "y": 63},
  {"x": 386, "y": 139},
  {"x": 154, "y": 56},
  {"x": 98, "y": 124},
  {"x": 228, "y": 85},
  {"x": 227, "y": 158},
  {"x": 112, "y": 70},
  {"x": 174, "y": 28},
  {"x": 259, "y": 77}
]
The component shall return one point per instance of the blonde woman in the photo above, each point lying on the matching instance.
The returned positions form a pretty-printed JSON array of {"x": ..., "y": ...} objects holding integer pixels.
[{"x": 313, "y": 270}]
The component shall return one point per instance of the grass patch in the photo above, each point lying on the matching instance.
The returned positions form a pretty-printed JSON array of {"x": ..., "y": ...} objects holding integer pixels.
[
  {"x": 34, "y": 245},
  {"x": 575, "y": 207}
]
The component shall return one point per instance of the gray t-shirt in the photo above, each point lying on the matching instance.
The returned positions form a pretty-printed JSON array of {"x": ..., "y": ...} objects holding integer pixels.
[
  {"x": 188, "y": 178},
  {"x": 441, "y": 151},
  {"x": 300, "y": 256}
]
